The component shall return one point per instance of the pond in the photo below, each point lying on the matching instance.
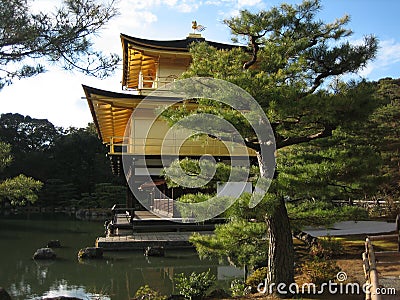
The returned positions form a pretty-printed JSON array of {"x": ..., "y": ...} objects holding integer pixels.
[{"x": 115, "y": 277}]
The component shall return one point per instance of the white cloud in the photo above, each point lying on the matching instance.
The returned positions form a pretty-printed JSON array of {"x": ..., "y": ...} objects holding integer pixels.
[
  {"x": 137, "y": 4},
  {"x": 213, "y": 2},
  {"x": 366, "y": 70},
  {"x": 180, "y": 5},
  {"x": 243, "y": 3},
  {"x": 188, "y": 6},
  {"x": 388, "y": 55},
  {"x": 233, "y": 7},
  {"x": 184, "y": 6},
  {"x": 389, "y": 52},
  {"x": 53, "y": 96},
  {"x": 170, "y": 2},
  {"x": 133, "y": 11},
  {"x": 44, "y": 5},
  {"x": 130, "y": 21}
]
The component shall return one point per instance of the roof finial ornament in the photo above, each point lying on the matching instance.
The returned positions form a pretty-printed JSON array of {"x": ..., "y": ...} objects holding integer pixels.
[{"x": 197, "y": 27}]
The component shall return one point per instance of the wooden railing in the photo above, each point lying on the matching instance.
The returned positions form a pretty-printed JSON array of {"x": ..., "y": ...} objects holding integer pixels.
[
  {"x": 165, "y": 207},
  {"x": 372, "y": 259},
  {"x": 158, "y": 146},
  {"x": 370, "y": 271},
  {"x": 152, "y": 82},
  {"x": 121, "y": 209}
]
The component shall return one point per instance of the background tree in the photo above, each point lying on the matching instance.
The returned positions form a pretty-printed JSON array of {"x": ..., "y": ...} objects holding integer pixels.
[
  {"x": 27, "y": 134},
  {"x": 384, "y": 134},
  {"x": 69, "y": 162},
  {"x": 20, "y": 189},
  {"x": 32, "y": 141},
  {"x": 62, "y": 37},
  {"x": 57, "y": 193},
  {"x": 105, "y": 195},
  {"x": 291, "y": 55},
  {"x": 5, "y": 156},
  {"x": 79, "y": 157}
]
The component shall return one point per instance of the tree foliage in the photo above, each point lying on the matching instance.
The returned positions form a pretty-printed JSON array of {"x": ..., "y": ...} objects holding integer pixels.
[
  {"x": 79, "y": 157},
  {"x": 203, "y": 173},
  {"x": 296, "y": 54},
  {"x": 26, "y": 134},
  {"x": 71, "y": 163},
  {"x": 242, "y": 242},
  {"x": 5, "y": 156},
  {"x": 322, "y": 213},
  {"x": 384, "y": 131},
  {"x": 104, "y": 195},
  {"x": 195, "y": 285},
  {"x": 62, "y": 37},
  {"x": 31, "y": 141},
  {"x": 58, "y": 193},
  {"x": 20, "y": 189},
  {"x": 289, "y": 64},
  {"x": 339, "y": 167}
]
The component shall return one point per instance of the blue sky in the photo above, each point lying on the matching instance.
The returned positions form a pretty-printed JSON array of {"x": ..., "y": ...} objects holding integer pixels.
[{"x": 57, "y": 95}]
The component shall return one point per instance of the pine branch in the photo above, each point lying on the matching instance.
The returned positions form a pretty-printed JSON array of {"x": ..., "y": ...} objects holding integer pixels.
[{"x": 326, "y": 132}]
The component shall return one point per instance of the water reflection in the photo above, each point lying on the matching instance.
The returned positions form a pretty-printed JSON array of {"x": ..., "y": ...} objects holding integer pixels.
[
  {"x": 116, "y": 277},
  {"x": 63, "y": 289}
]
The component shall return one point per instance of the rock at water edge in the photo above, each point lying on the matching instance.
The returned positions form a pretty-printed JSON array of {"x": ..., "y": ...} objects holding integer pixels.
[{"x": 44, "y": 253}]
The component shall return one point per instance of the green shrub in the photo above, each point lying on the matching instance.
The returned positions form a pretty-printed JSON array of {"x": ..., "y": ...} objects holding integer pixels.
[
  {"x": 146, "y": 293},
  {"x": 327, "y": 248},
  {"x": 238, "y": 288},
  {"x": 241, "y": 241},
  {"x": 195, "y": 285},
  {"x": 320, "y": 270},
  {"x": 257, "y": 277}
]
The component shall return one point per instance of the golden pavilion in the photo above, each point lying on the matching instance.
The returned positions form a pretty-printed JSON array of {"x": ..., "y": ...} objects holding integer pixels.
[{"x": 148, "y": 65}]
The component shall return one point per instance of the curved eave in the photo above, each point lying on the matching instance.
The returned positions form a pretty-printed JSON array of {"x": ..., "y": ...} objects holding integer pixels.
[
  {"x": 110, "y": 111},
  {"x": 139, "y": 54},
  {"x": 170, "y": 45}
]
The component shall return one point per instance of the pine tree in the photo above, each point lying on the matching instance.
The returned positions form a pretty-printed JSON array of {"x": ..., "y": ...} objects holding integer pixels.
[
  {"x": 62, "y": 37},
  {"x": 290, "y": 57}
]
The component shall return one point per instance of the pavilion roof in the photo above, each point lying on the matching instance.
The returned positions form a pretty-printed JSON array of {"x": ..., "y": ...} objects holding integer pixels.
[
  {"x": 143, "y": 55},
  {"x": 171, "y": 45},
  {"x": 110, "y": 111}
]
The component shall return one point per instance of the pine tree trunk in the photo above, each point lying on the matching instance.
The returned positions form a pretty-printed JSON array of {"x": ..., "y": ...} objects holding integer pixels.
[{"x": 280, "y": 249}]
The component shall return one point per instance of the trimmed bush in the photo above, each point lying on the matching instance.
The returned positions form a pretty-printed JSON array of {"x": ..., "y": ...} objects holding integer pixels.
[
  {"x": 147, "y": 293},
  {"x": 257, "y": 277},
  {"x": 320, "y": 270},
  {"x": 239, "y": 288},
  {"x": 327, "y": 248},
  {"x": 195, "y": 285}
]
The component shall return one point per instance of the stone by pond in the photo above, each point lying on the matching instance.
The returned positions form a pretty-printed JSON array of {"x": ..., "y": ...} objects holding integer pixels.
[
  {"x": 44, "y": 253},
  {"x": 4, "y": 295},
  {"x": 90, "y": 253},
  {"x": 154, "y": 251},
  {"x": 54, "y": 244}
]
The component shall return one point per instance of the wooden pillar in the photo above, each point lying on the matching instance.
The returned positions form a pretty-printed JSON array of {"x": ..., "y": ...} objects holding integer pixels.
[
  {"x": 398, "y": 232},
  {"x": 366, "y": 268},
  {"x": 130, "y": 180},
  {"x": 129, "y": 197},
  {"x": 373, "y": 273}
]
